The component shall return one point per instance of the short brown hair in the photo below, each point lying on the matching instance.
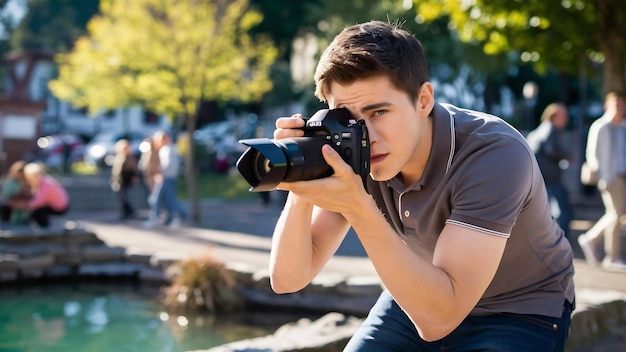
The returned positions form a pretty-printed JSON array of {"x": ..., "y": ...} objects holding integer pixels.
[{"x": 370, "y": 49}]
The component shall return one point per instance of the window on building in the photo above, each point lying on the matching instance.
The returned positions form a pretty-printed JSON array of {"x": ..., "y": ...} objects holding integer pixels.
[{"x": 150, "y": 117}]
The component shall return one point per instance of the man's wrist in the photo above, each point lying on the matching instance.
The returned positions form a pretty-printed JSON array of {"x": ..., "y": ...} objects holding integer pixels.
[{"x": 363, "y": 210}]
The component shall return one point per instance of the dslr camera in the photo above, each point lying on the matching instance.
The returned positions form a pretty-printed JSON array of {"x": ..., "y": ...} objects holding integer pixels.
[{"x": 267, "y": 162}]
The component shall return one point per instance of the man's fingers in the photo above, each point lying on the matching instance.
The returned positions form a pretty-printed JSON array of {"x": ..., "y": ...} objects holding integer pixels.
[
  {"x": 333, "y": 159},
  {"x": 289, "y": 127}
]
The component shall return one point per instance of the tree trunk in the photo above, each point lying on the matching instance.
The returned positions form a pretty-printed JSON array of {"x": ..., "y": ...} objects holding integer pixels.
[
  {"x": 190, "y": 170},
  {"x": 610, "y": 35},
  {"x": 613, "y": 68}
]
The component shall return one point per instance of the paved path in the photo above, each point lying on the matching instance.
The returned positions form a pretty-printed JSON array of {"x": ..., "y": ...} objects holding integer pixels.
[
  {"x": 240, "y": 231},
  {"x": 232, "y": 231}
]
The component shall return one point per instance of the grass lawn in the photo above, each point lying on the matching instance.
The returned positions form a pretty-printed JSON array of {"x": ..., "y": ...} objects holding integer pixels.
[
  {"x": 218, "y": 185},
  {"x": 209, "y": 184}
]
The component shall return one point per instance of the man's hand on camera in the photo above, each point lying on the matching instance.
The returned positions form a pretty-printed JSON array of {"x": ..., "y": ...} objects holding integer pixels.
[
  {"x": 339, "y": 193},
  {"x": 289, "y": 127}
]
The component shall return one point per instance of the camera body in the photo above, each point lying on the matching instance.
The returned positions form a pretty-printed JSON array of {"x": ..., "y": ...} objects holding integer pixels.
[
  {"x": 346, "y": 135},
  {"x": 268, "y": 162}
]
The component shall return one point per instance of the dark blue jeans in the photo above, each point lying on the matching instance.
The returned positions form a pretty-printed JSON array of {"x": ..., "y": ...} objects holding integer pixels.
[
  {"x": 172, "y": 204},
  {"x": 387, "y": 328}
]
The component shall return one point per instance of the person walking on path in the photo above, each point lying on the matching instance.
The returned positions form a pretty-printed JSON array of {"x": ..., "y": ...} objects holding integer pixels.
[
  {"x": 124, "y": 174},
  {"x": 455, "y": 216},
  {"x": 606, "y": 153},
  {"x": 546, "y": 141},
  {"x": 165, "y": 185}
]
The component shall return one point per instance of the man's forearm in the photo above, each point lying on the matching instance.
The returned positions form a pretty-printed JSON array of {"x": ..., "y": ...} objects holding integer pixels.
[
  {"x": 424, "y": 290},
  {"x": 292, "y": 247}
]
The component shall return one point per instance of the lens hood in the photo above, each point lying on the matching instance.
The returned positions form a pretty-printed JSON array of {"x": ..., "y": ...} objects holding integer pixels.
[{"x": 249, "y": 164}]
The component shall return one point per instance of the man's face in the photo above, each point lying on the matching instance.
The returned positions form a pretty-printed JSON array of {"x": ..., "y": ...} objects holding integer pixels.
[{"x": 399, "y": 131}]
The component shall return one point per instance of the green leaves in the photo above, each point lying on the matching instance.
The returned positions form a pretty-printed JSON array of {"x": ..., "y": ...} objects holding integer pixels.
[
  {"x": 543, "y": 33},
  {"x": 167, "y": 55}
]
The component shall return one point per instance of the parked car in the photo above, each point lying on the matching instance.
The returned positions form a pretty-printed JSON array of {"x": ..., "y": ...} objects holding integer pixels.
[
  {"x": 213, "y": 132},
  {"x": 60, "y": 150},
  {"x": 100, "y": 151},
  {"x": 219, "y": 143}
]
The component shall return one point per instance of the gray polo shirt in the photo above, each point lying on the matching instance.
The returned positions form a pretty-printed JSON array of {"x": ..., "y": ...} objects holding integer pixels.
[{"x": 481, "y": 174}]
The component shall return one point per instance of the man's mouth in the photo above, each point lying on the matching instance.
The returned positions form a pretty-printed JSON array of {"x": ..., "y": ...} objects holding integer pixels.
[{"x": 375, "y": 158}]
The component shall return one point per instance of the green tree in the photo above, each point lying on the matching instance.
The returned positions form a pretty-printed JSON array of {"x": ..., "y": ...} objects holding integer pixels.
[
  {"x": 53, "y": 25},
  {"x": 168, "y": 56},
  {"x": 566, "y": 35},
  {"x": 8, "y": 23},
  {"x": 284, "y": 20}
]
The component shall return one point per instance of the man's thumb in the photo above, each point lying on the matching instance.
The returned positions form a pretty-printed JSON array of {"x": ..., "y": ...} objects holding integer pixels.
[{"x": 331, "y": 156}]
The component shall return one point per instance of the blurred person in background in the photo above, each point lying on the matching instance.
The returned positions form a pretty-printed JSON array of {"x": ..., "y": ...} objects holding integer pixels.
[
  {"x": 14, "y": 188},
  {"x": 149, "y": 164},
  {"x": 547, "y": 142},
  {"x": 165, "y": 185},
  {"x": 49, "y": 196},
  {"x": 124, "y": 174},
  {"x": 606, "y": 153}
]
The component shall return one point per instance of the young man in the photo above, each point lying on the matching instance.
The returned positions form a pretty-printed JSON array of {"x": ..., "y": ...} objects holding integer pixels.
[{"x": 456, "y": 221}]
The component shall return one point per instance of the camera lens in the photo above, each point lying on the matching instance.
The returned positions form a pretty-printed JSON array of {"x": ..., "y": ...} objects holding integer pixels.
[
  {"x": 264, "y": 165},
  {"x": 268, "y": 162}
]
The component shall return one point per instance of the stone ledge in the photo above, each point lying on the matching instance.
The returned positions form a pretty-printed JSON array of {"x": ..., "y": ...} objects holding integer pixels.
[
  {"x": 67, "y": 252},
  {"x": 599, "y": 314},
  {"x": 327, "y": 334}
]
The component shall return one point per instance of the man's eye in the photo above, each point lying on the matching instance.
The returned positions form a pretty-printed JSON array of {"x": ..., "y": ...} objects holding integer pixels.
[{"x": 380, "y": 112}]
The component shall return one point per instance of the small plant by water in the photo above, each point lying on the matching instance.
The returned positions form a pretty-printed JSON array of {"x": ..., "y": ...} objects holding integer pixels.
[{"x": 202, "y": 285}]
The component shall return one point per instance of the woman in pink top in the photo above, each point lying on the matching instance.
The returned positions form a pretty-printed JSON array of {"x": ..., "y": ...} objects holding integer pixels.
[{"x": 49, "y": 196}]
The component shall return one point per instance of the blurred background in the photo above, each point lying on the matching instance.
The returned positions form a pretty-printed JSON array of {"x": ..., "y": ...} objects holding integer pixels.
[{"x": 78, "y": 75}]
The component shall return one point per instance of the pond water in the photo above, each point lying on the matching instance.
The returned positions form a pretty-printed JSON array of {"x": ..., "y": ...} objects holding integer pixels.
[{"x": 102, "y": 317}]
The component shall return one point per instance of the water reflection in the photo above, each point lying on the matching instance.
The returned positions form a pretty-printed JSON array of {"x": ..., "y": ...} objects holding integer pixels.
[{"x": 96, "y": 317}]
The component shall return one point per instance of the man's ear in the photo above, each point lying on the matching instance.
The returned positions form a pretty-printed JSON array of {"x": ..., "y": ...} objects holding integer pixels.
[{"x": 425, "y": 99}]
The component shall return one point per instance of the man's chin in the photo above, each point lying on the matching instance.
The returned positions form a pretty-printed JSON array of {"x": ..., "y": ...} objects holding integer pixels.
[{"x": 380, "y": 176}]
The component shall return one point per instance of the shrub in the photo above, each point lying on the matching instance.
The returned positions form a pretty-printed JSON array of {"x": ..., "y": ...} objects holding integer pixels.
[{"x": 202, "y": 285}]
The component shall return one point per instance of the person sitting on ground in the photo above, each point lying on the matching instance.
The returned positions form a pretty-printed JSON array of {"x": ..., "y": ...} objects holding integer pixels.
[
  {"x": 14, "y": 188},
  {"x": 49, "y": 196}
]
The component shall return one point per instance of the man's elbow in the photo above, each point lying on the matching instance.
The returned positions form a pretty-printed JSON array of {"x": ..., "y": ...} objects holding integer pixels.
[
  {"x": 282, "y": 286},
  {"x": 435, "y": 332}
]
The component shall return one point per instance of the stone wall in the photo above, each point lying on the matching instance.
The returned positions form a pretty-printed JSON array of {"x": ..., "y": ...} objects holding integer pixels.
[{"x": 69, "y": 252}]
